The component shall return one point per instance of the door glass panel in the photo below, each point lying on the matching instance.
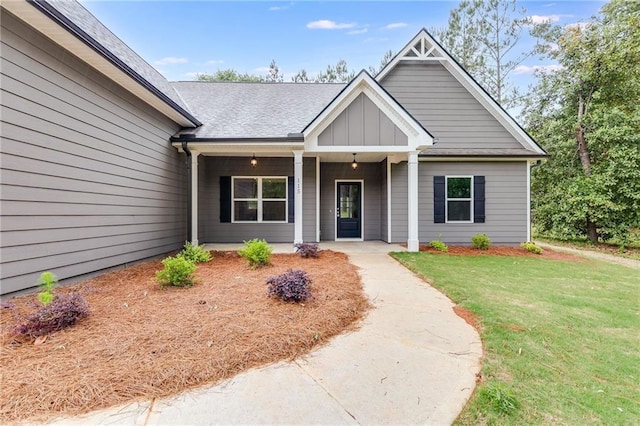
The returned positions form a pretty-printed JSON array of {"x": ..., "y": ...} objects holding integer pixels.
[{"x": 349, "y": 201}]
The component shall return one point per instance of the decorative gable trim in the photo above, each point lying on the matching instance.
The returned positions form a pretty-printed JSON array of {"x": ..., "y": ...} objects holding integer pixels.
[
  {"x": 418, "y": 137},
  {"x": 424, "y": 48}
]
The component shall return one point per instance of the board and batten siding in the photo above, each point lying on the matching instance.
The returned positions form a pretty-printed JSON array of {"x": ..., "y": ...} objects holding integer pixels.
[
  {"x": 211, "y": 230},
  {"x": 362, "y": 123},
  {"x": 505, "y": 202},
  {"x": 445, "y": 108},
  {"x": 371, "y": 212},
  {"x": 89, "y": 178}
]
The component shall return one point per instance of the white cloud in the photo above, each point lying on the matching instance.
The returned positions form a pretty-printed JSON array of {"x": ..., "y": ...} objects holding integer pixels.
[
  {"x": 395, "y": 25},
  {"x": 276, "y": 8},
  {"x": 360, "y": 31},
  {"x": 541, "y": 19},
  {"x": 171, "y": 60},
  {"x": 526, "y": 69},
  {"x": 214, "y": 62},
  {"x": 261, "y": 70},
  {"x": 325, "y": 24},
  {"x": 193, "y": 75}
]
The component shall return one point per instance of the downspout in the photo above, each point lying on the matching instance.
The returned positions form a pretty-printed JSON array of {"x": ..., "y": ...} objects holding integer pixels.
[{"x": 186, "y": 150}]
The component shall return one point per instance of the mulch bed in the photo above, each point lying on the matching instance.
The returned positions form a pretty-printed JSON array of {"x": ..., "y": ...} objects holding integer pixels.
[
  {"x": 142, "y": 341},
  {"x": 504, "y": 251}
]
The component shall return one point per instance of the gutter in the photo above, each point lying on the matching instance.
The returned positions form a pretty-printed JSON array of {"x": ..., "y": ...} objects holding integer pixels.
[
  {"x": 58, "y": 17},
  {"x": 186, "y": 150}
]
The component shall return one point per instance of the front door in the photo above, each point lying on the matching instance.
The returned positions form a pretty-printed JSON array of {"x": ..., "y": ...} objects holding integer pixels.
[{"x": 349, "y": 210}]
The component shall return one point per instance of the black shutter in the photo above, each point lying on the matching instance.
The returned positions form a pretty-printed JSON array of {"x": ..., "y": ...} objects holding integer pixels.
[
  {"x": 225, "y": 199},
  {"x": 292, "y": 198},
  {"x": 478, "y": 199},
  {"x": 438, "y": 199}
]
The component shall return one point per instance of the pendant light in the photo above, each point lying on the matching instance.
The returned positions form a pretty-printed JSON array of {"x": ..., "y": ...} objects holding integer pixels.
[
  {"x": 354, "y": 164},
  {"x": 254, "y": 161}
]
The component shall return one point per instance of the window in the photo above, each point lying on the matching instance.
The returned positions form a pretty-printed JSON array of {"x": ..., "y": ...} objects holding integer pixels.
[
  {"x": 459, "y": 201},
  {"x": 259, "y": 199}
]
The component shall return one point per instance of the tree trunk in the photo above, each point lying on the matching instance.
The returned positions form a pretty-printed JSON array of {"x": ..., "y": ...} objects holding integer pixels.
[
  {"x": 592, "y": 231},
  {"x": 582, "y": 143}
]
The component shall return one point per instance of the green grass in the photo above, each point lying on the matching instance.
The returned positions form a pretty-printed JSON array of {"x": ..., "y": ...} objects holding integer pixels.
[{"x": 561, "y": 339}]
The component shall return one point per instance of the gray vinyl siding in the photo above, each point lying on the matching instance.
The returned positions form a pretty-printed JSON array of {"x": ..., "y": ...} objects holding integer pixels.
[
  {"x": 384, "y": 222},
  {"x": 505, "y": 205},
  {"x": 89, "y": 178},
  {"x": 371, "y": 215},
  {"x": 445, "y": 108},
  {"x": 399, "y": 203},
  {"x": 211, "y": 230},
  {"x": 362, "y": 123}
]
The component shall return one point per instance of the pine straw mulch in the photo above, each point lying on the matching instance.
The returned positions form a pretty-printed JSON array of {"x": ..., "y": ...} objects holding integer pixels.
[
  {"x": 144, "y": 342},
  {"x": 504, "y": 251}
]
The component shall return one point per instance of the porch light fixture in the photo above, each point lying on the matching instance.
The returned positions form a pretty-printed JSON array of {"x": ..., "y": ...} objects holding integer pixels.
[
  {"x": 254, "y": 161},
  {"x": 354, "y": 164}
]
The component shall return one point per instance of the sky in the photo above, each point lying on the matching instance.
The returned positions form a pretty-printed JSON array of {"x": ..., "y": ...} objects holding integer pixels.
[{"x": 184, "y": 38}]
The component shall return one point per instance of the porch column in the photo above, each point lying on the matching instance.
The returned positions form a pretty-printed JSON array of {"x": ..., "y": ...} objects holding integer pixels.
[
  {"x": 194, "y": 197},
  {"x": 412, "y": 195},
  {"x": 297, "y": 178}
]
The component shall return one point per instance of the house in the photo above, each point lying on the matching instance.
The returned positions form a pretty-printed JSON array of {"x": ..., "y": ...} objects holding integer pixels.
[{"x": 104, "y": 162}]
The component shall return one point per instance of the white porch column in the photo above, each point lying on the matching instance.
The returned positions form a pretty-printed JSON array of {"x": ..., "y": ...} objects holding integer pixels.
[
  {"x": 412, "y": 195},
  {"x": 297, "y": 178},
  {"x": 194, "y": 197}
]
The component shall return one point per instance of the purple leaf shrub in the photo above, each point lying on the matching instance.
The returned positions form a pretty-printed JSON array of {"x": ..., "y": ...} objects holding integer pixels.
[
  {"x": 292, "y": 286},
  {"x": 62, "y": 312}
]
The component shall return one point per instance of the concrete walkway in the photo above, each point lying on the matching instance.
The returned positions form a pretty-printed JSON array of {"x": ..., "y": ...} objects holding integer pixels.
[{"x": 413, "y": 361}]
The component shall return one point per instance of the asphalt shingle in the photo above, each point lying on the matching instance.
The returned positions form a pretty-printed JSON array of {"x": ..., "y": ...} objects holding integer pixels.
[{"x": 254, "y": 110}]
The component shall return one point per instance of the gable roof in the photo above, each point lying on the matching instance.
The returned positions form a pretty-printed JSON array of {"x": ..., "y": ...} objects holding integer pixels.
[
  {"x": 90, "y": 37},
  {"x": 365, "y": 83},
  {"x": 423, "y": 47},
  {"x": 235, "y": 110}
]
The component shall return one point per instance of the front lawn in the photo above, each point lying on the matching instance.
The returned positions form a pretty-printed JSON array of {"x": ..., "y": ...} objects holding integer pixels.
[{"x": 561, "y": 338}]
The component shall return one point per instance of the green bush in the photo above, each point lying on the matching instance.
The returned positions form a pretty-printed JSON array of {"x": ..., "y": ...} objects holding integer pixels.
[
  {"x": 178, "y": 271},
  {"x": 480, "y": 241},
  {"x": 195, "y": 253},
  {"x": 47, "y": 281},
  {"x": 257, "y": 252},
  {"x": 439, "y": 245},
  {"x": 531, "y": 247}
]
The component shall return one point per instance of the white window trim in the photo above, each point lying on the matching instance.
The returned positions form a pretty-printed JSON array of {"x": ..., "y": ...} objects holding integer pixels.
[
  {"x": 259, "y": 200},
  {"x": 447, "y": 199}
]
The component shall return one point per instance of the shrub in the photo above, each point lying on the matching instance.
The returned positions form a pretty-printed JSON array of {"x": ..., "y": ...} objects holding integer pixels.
[
  {"x": 531, "y": 247},
  {"x": 195, "y": 253},
  {"x": 256, "y": 252},
  {"x": 480, "y": 241},
  {"x": 47, "y": 281},
  {"x": 439, "y": 245},
  {"x": 498, "y": 398},
  {"x": 292, "y": 286},
  {"x": 61, "y": 313},
  {"x": 178, "y": 271},
  {"x": 307, "y": 249}
]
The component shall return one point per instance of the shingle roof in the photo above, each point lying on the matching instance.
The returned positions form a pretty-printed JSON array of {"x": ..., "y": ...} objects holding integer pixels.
[
  {"x": 88, "y": 23},
  {"x": 254, "y": 110}
]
